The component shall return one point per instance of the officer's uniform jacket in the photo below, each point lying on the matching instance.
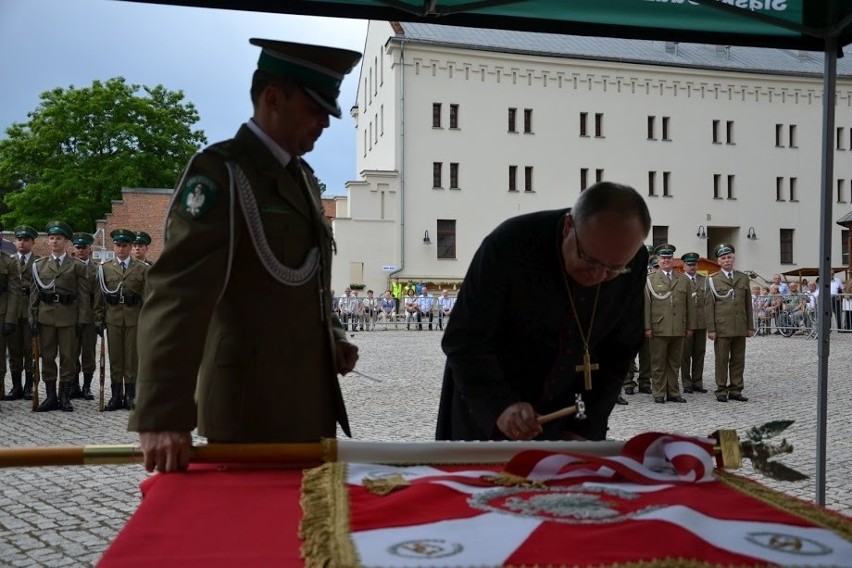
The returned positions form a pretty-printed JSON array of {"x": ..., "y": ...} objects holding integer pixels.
[
  {"x": 728, "y": 310},
  {"x": 10, "y": 290},
  {"x": 92, "y": 275},
  {"x": 120, "y": 303},
  {"x": 263, "y": 352},
  {"x": 669, "y": 310},
  {"x": 698, "y": 293},
  {"x": 68, "y": 302},
  {"x": 26, "y": 279}
]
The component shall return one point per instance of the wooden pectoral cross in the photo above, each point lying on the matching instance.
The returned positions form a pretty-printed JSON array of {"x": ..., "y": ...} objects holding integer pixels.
[{"x": 586, "y": 368}]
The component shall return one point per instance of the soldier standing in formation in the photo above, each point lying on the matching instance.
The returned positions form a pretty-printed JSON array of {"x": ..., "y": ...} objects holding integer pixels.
[
  {"x": 122, "y": 285},
  {"x": 643, "y": 382},
  {"x": 59, "y": 304},
  {"x": 20, "y": 341},
  {"x": 729, "y": 321},
  {"x": 694, "y": 347},
  {"x": 139, "y": 251},
  {"x": 10, "y": 297},
  {"x": 86, "y": 346},
  {"x": 669, "y": 317}
]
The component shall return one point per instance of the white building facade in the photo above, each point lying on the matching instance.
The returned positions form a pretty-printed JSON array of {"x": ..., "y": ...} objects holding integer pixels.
[{"x": 459, "y": 129}]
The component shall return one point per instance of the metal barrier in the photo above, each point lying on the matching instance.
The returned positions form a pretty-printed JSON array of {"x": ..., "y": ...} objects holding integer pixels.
[{"x": 797, "y": 314}]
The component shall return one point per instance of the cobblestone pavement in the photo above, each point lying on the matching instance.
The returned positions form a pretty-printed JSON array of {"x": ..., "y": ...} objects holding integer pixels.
[{"x": 66, "y": 516}]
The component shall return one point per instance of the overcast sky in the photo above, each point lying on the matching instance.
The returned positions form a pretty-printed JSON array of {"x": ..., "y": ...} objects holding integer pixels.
[{"x": 204, "y": 53}]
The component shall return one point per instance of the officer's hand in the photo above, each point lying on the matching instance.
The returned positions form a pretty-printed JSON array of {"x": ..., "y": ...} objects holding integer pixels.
[
  {"x": 8, "y": 329},
  {"x": 346, "y": 355},
  {"x": 518, "y": 422},
  {"x": 99, "y": 329},
  {"x": 649, "y": 334},
  {"x": 165, "y": 451},
  {"x": 78, "y": 331},
  {"x": 34, "y": 327},
  {"x": 711, "y": 335}
]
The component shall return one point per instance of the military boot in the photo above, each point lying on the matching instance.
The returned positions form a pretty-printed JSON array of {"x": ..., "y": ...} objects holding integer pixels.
[
  {"x": 86, "y": 393},
  {"x": 17, "y": 391},
  {"x": 76, "y": 391},
  {"x": 28, "y": 387},
  {"x": 50, "y": 402},
  {"x": 116, "y": 401},
  {"x": 129, "y": 396},
  {"x": 65, "y": 397}
]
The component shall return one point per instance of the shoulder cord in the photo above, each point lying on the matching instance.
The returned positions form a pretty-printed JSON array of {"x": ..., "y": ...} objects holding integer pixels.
[
  {"x": 41, "y": 284},
  {"x": 102, "y": 282},
  {"x": 665, "y": 296},
  {"x": 718, "y": 296}
]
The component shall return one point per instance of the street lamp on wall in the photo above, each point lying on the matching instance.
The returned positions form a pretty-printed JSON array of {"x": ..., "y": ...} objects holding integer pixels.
[
  {"x": 426, "y": 239},
  {"x": 701, "y": 234},
  {"x": 752, "y": 235}
]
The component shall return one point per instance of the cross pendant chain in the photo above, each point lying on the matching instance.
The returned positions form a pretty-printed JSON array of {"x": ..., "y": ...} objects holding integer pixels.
[{"x": 586, "y": 368}]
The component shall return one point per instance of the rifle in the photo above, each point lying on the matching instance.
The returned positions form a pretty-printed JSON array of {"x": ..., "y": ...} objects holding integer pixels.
[
  {"x": 102, "y": 371},
  {"x": 36, "y": 370}
]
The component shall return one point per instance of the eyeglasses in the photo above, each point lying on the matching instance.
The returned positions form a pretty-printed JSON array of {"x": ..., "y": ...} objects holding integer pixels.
[{"x": 594, "y": 263}]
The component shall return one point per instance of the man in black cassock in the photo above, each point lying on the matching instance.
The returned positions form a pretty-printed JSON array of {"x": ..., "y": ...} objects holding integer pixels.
[{"x": 514, "y": 341}]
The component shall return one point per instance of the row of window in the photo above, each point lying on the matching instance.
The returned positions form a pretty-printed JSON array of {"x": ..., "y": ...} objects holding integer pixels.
[
  {"x": 371, "y": 87},
  {"x": 375, "y": 129}
]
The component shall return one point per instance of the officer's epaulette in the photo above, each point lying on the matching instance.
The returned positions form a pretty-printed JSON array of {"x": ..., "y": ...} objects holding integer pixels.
[
  {"x": 307, "y": 166},
  {"x": 714, "y": 274},
  {"x": 78, "y": 260},
  {"x": 39, "y": 259},
  {"x": 222, "y": 148}
]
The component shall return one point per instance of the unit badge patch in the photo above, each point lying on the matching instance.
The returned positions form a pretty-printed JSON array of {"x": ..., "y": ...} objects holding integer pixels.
[{"x": 197, "y": 195}]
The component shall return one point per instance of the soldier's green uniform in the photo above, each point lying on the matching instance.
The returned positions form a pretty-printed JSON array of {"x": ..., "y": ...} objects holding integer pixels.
[
  {"x": 117, "y": 305},
  {"x": 20, "y": 343},
  {"x": 695, "y": 347},
  {"x": 10, "y": 297},
  {"x": 669, "y": 316},
  {"x": 728, "y": 309},
  {"x": 643, "y": 382},
  {"x": 88, "y": 341},
  {"x": 59, "y": 304}
]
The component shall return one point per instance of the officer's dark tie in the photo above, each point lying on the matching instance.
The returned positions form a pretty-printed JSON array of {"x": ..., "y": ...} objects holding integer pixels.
[
  {"x": 23, "y": 260},
  {"x": 58, "y": 262},
  {"x": 123, "y": 266}
]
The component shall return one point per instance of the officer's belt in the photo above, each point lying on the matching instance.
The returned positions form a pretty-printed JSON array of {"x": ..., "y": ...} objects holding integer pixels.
[
  {"x": 128, "y": 299},
  {"x": 57, "y": 298}
]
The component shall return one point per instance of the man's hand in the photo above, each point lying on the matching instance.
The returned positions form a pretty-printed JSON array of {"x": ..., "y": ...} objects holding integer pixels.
[
  {"x": 688, "y": 333},
  {"x": 711, "y": 335},
  {"x": 347, "y": 356},
  {"x": 750, "y": 333},
  {"x": 165, "y": 451},
  {"x": 8, "y": 329},
  {"x": 648, "y": 333},
  {"x": 518, "y": 422}
]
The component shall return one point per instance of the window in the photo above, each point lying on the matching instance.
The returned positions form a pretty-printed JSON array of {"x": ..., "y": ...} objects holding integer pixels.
[
  {"x": 528, "y": 120},
  {"x": 666, "y": 187},
  {"x": 786, "y": 243},
  {"x": 839, "y": 138},
  {"x": 716, "y": 132},
  {"x": 652, "y": 184},
  {"x": 793, "y": 184},
  {"x": 599, "y": 125},
  {"x": 844, "y": 247},
  {"x": 779, "y": 189},
  {"x": 729, "y": 132},
  {"x": 652, "y": 135},
  {"x": 792, "y": 138},
  {"x": 371, "y": 136},
  {"x": 436, "y": 174},
  {"x": 513, "y": 178},
  {"x": 584, "y": 119},
  {"x": 365, "y": 141},
  {"x": 512, "y": 113},
  {"x": 584, "y": 178},
  {"x": 454, "y": 116},
  {"x": 717, "y": 189},
  {"x": 666, "y": 128},
  {"x": 528, "y": 175},
  {"x": 779, "y": 135},
  {"x": 660, "y": 235},
  {"x": 436, "y": 115},
  {"x": 446, "y": 238},
  {"x": 731, "y": 187},
  {"x": 599, "y": 175},
  {"x": 841, "y": 191},
  {"x": 454, "y": 175}
]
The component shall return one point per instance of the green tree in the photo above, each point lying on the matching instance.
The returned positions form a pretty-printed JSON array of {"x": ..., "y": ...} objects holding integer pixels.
[{"x": 81, "y": 146}]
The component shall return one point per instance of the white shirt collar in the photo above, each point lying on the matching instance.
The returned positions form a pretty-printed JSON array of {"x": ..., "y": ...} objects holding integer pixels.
[
  {"x": 61, "y": 258},
  {"x": 280, "y": 153}
]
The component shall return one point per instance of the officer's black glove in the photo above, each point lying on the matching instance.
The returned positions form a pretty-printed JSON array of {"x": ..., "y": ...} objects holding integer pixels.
[
  {"x": 34, "y": 327},
  {"x": 79, "y": 330},
  {"x": 99, "y": 329},
  {"x": 8, "y": 329}
]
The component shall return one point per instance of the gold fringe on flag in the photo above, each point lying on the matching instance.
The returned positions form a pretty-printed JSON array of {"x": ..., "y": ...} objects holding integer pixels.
[{"x": 324, "y": 528}]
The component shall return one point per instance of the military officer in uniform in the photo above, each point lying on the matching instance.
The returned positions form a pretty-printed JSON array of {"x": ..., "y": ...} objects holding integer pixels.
[
  {"x": 117, "y": 306},
  {"x": 694, "y": 347},
  {"x": 248, "y": 250},
  {"x": 669, "y": 317},
  {"x": 10, "y": 297},
  {"x": 643, "y": 382},
  {"x": 59, "y": 304},
  {"x": 728, "y": 309},
  {"x": 139, "y": 251},
  {"x": 86, "y": 346},
  {"x": 20, "y": 342}
]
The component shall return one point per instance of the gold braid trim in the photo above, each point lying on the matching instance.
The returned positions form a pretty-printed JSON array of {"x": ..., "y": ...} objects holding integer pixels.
[
  {"x": 802, "y": 509},
  {"x": 324, "y": 528}
]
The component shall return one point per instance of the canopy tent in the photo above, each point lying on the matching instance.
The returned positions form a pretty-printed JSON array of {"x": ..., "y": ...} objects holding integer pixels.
[{"x": 824, "y": 25}]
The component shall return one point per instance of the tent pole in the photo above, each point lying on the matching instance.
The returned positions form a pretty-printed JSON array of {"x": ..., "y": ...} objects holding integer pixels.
[{"x": 825, "y": 274}]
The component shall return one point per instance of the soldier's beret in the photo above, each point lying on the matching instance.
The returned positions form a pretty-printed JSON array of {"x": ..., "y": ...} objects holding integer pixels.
[
  {"x": 653, "y": 261},
  {"x": 142, "y": 238},
  {"x": 318, "y": 70},
  {"x": 59, "y": 228},
  {"x": 122, "y": 236},
  {"x": 664, "y": 250},
  {"x": 690, "y": 257},
  {"x": 82, "y": 239},
  {"x": 723, "y": 249},
  {"x": 25, "y": 232}
]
